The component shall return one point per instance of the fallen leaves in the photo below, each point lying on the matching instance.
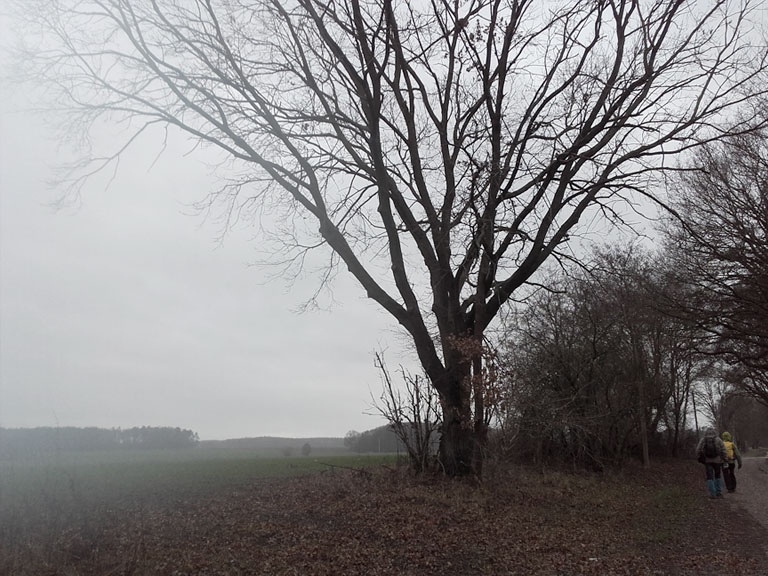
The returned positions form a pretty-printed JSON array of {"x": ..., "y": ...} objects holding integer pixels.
[{"x": 518, "y": 522}]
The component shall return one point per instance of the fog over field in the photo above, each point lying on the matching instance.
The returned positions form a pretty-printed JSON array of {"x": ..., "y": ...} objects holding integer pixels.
[
  {"x": 333, "y": 287},
  {"x": 126, "y": 308}
]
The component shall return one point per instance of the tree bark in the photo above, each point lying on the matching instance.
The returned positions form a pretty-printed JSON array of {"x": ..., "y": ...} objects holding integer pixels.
[
  {"x": 479, "y": 426},
  {"x": 457, "y": 442}
]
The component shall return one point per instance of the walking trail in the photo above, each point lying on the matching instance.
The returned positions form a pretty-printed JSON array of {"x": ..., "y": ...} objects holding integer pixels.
[{"x": 752, "y": 490}]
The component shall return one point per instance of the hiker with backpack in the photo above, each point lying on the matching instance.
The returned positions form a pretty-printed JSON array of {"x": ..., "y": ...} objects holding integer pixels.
[
  {"x": 711, "y": 452},
  {"x": 732, "y": 456}
]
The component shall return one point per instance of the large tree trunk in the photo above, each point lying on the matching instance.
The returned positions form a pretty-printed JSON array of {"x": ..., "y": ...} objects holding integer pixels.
[
  {"x": 457, "y": 444},
  {"x": 463, "y": 439},
  {"x": 457, "y": 441},
  {"x": 479, "y": 425}
]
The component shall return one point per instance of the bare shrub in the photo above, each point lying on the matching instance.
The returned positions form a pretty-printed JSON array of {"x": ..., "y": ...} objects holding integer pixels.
[{"x": 413, "y": 414}]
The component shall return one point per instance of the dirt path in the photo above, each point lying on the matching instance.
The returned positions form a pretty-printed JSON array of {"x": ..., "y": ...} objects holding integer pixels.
[{"x": 752, "y": 490}]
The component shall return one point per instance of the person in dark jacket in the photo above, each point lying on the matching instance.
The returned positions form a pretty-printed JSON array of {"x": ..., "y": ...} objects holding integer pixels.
[
  {"x": 732, "y": 456},
  {"x": 711, "y": 452}
]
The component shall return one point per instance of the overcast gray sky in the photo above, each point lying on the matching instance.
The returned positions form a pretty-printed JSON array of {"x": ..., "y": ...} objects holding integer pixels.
[{"x": 125, "y": 311}]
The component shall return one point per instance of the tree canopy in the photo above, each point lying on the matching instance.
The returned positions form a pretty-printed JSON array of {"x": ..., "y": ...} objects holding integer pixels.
[
  {"x": 441, "y": 150},
  {"x": 719, "y": 244}
]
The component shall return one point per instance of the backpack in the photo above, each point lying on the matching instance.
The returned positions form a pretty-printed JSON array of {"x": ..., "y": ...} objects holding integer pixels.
[
  {"x": 710, "y": 448},
  {"x": 728, "y": 450}
]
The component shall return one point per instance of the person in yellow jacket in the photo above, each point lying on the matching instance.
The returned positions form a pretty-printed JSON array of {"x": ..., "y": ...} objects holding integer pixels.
[{"x": 729, "y": 465}]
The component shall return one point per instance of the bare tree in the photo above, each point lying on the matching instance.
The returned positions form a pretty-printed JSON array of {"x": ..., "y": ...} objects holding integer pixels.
[
  {"x": 719, "y": 243},
  {"x": 684, "y": 367},
  {"x": 441, "y": 150},
  {"x": 712, "y": 394}
]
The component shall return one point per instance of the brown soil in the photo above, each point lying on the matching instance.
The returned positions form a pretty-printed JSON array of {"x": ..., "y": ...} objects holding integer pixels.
[{"x": 637, "y": 522}]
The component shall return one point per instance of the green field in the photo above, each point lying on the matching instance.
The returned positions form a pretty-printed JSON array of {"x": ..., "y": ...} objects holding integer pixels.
[{"x": 97, "y": 478}]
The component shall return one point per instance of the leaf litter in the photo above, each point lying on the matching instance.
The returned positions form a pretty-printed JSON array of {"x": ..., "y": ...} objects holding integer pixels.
[{"x": 517, "y": 521}]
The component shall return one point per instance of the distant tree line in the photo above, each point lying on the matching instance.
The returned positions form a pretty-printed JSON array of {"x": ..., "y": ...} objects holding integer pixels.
[
  {"x": 16, "y": 442},
  {"x": 381, "y": 439}
]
